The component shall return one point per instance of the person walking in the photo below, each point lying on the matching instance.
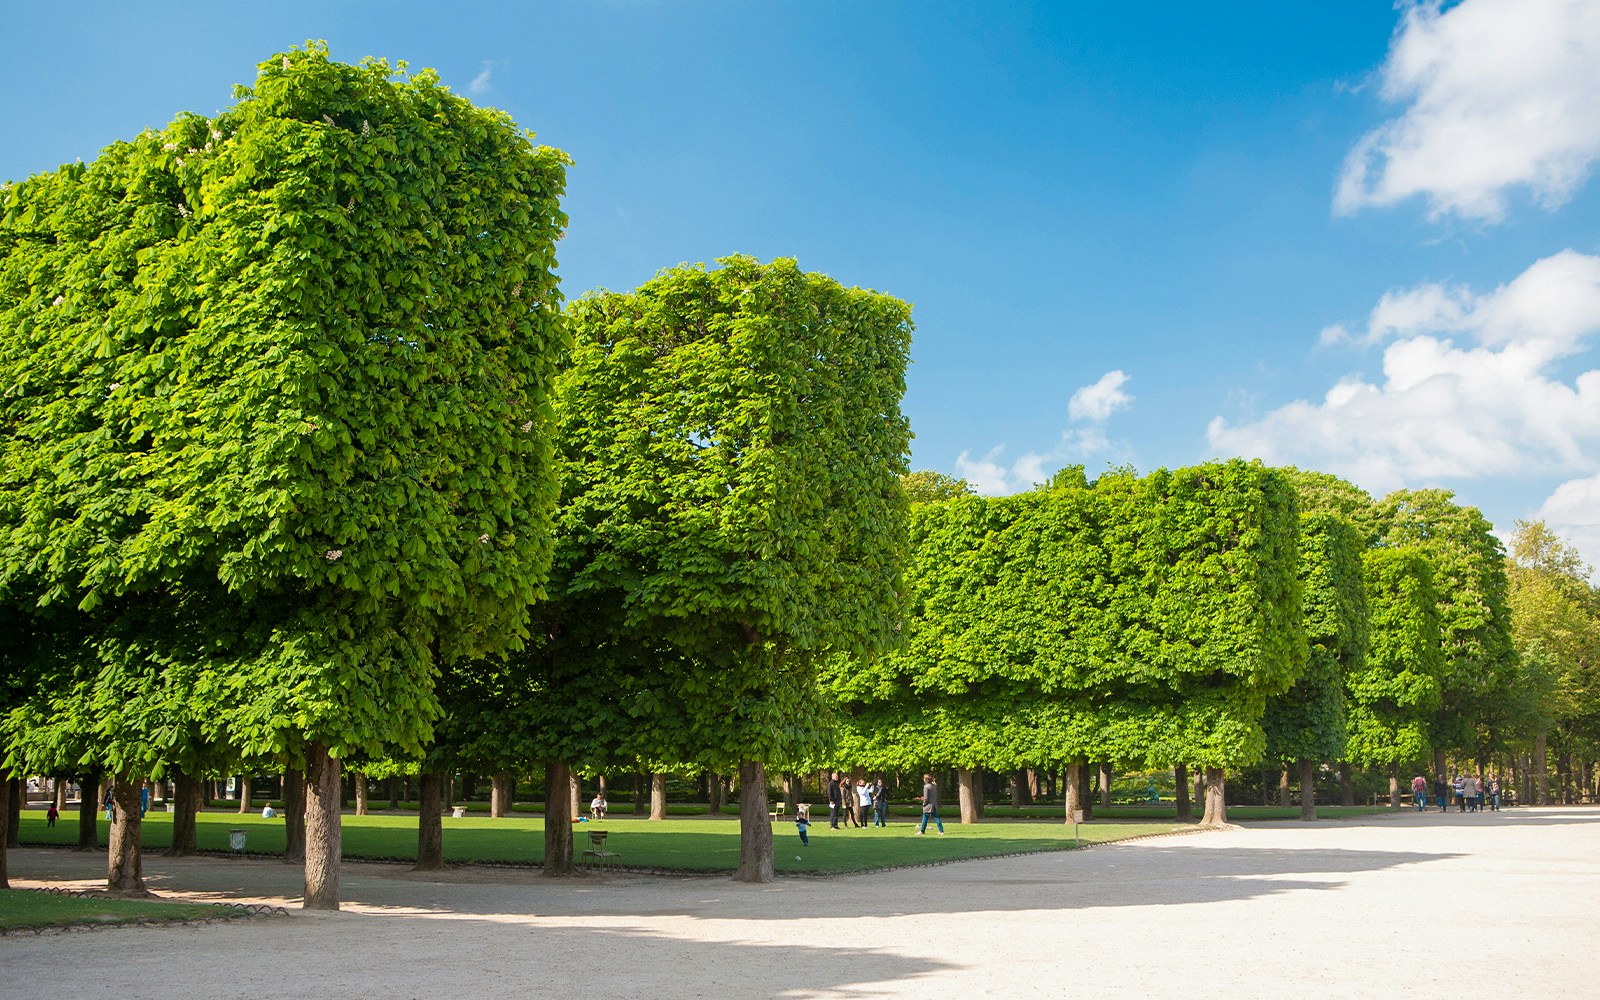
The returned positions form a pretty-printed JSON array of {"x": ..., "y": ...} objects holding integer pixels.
[
  {"x": 833, "y": 800},
  {"x": 1494, "y": 792},
  {"x": 880, "y": 803},
  {"x": 930, "y": 805},
  {"x": 1419, "y": 792},
  {"x": 1441, "y": 791},
  {"x": 1459, "y": 786}
]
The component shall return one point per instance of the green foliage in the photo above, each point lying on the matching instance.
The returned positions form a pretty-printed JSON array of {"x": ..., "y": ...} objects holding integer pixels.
[
  {"x": 1394, "y": 696},
  {"x": 293, "y": 360},
  {"x": 927, "y": 486},
  {"x": 1469, "y": 577},
  {"x": 731, "y": 511},
  {"x": 1138, "y": 620},
  {"x": 1308, "y": 722},
  {"x": 1555, "y": 615}
]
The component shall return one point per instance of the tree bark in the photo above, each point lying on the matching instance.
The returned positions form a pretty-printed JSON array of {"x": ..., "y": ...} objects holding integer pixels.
[
  {"x": 1347, "y": 785},
  {"x": 394, "y": 793},
  {"x": 641, "y": 799},
  {"x": 1086, "y": 791},
  {"x": 658, "y": 796},
  {"x": 294, "y": 816},
  {"x": 1071, "y": 792},
  {"x": 1285, "y": 799},
  {"x": 124, "y": 870},
  {"x": 245, "y": 795},
  {"x": 363, "y": 795},
  {"x": 1180, "y": 784},
  {"x": 89, "y": 811},
  {"x": 501, "y": 793},
  {"x": 1438, "y": 762},
  {"x": 755, "y": 826},
  {"x": 1105, "y": 784},
  {"x": 1394, "y": 786},
  {"x": 1216, "y": 813},
  {"x": 18, "y": 795},
  {"x": 713, "y": 793},
  {"x": 5, "y": 831},
  {"x": 186, "y": 794},
  {"x": 323, "y": 828},
  {"x": 574, "y": 795},
  {"x": 968, "y": 786},
  {"x": 557, "y": 821},
  {"x": 430, "y": 822},
  {"x": 1541, "y": 770},
  {"x": 1019, "y": 788},
  {"x": 1308, "y": 789}
]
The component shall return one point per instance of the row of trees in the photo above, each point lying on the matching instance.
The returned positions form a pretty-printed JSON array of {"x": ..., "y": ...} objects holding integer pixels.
[{"x": 304, "y": 466}]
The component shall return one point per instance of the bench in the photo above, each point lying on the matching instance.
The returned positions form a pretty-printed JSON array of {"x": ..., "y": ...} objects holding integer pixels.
[{"x": 458, "y": 812}]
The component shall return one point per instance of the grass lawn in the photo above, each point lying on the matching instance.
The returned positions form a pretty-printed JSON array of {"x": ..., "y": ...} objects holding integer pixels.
[
  {"x": 709, "y": 844},
  {"x": 20, "y": 908}
]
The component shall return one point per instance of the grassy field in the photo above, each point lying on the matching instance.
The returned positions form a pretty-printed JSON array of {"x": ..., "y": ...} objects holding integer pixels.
[
  {"x": 709, "y": 844},
  {"x": 20, "y": 909}
]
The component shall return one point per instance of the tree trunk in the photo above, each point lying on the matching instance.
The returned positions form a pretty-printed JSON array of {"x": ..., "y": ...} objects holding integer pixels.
[
  {"x": 363, "y": 795},
  {"x": 1200, "y": 788},
  {"x": 1541, "y": 770},
  {"x": 5, "y": 831},
  {"x": 1019, "y": 789},
  {"x": 394, "y": 793},
  {"x": 1180, "y": 785},
  {"x": 1216, "y": 813},
  {"x": 574, "y": 795},
  {"x": 1308, "y": 789},
  {"x": 755, "y": 826},
  {"x": 245, "y": 793},
  {"x": 501, "y": 794},
  {"x": 968, "y": 786},
  {"x": 430, "y": 822},
  {"x": 187, "y": 792},
  {"x": 1394, "y": 786},
  {"x": 557, "y": 821},
  {"x": 1086, "y": 791},
  {"x": 1285, "y": 799},
  {"x": 713, "y": 793},
  {"x": 1438, "y": 762},
  {"x": 61, "y": 795},
  {"x": 18, "y": 795},
  {"x": 793, "y": 788},
  {"x": 124, "y": 871},
  {"x": 1105, "y": 784},
  {"x": 1347, "y": 785},
  {"x": 323, "y": 829},
  {"x": 1071, "y": 792},
  {"x": 294, "y": 816},
  {"x": 89, "y": 811},
  {"x": 658, "y": 796},
  {"x": 641, "y": 798}
]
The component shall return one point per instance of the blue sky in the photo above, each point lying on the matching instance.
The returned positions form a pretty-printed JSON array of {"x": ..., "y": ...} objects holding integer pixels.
[{"x": 1354, "y": 237}]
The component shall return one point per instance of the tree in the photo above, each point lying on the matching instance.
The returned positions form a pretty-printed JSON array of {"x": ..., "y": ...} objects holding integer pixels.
[
  {"x": 733, "y": 442},
  {"x": 293, "y": 359},
  {"x": 1394, "y": 695},
  {"x": 1307, "y": 725},
  {"x": 1141, "y": 621},
  {"x": 1555, "y": 616},
  {"x": 927, "y": 486}
]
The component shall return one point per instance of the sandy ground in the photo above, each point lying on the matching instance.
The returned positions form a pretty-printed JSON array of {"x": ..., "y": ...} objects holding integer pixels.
[{"x": 1384, "y": 907}]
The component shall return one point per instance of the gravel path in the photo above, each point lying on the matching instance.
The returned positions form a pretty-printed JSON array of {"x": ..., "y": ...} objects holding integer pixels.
[{"x": 1382, "y": 907}]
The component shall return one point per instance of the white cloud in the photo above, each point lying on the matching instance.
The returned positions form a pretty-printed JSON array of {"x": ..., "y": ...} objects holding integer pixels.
[
  {"x": 1497, "y": 93},
  {"x": 1573, "y": 512},
  {"x": 1099, "y": 400},
  {"x": 483, "y": 82},
  {"x": 1490, "y": 405},
  {"x": 986, "y": 474}
]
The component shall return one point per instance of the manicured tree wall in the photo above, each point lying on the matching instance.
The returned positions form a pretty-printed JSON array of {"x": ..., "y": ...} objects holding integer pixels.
[
  {"x": 1144, "y": 621},
  {"x": 1468, "y": 564},
  {"x": 297, "y": 355},
  {"x": 1307, "y": 725},
  {"x": 733, "y": 441},
  {"x": 1393, "y": 698}
]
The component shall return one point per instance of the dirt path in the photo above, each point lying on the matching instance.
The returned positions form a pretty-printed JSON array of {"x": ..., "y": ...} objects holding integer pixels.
[{"x": 1380, "y": 907}]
